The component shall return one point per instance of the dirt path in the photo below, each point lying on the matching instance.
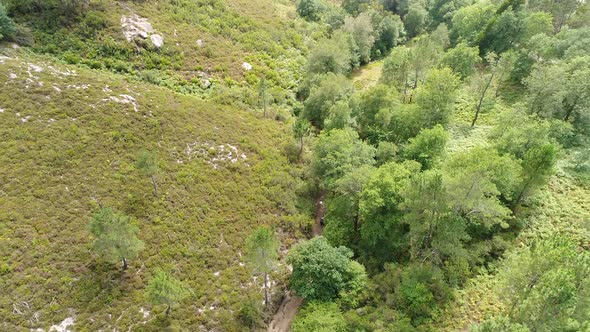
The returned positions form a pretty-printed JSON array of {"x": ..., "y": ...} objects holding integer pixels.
[{"x": 281, "y": 321}]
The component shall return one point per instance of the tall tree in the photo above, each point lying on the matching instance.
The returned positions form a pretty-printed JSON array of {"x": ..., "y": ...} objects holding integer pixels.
[
  {"x": 164, "y": 289},
  {"x": 301, "y": 129},
  {"x": 482, "y": 83},
  {"x": 427, "y": 146},
  {"x": 115, "y": 236},
  {"x": 262, "y": 248},
  {"x": 435, "y": 98},
  {"x": 322, "y": 272},
  {"x": 147, "y": 164}
]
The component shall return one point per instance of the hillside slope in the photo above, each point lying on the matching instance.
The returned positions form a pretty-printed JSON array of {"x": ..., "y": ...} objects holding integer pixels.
[{"x": 69, "y": 138}]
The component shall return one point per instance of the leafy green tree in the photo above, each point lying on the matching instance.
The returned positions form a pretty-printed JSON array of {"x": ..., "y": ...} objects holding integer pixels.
[
  {"x": 301, "y": 129},
  {"x": 482, "y": 83},
  {"x": 319, "y": 317},
  {"x": 163, "y": 289},
  {"x": 387, "y": 29},
  {"x": 330, "y": 90},
  {"x": 339, "y": 117},
  {"x": 479, "y": 181},
  {"x": 560, "y": 11},
  {"x": 562, "y": 91},
  {"x": 537, "y": 166},
  {"x": 427, "y": 146},
  {"x": 373, "y": 112},
  {"x": 499, "y": 324},
  {"x": 442, "y": 11},
  {"x": 147, "y": 164},
  {"x": 415, "y": 19},
  {"x": 322, "y": 272},
  {"x": 383, "y": 235},
  {"x": 425, "y": 53},
  {"x": 7, "y": 28},
  {"x": 386, "y": 152},
  {"x": 469, "y": 21},
  {"x": 399, "y": 7},
  {"x": 354, "y": 7},
  {"x": 115, "y": 236},
  {"x": 502, "y": 31},
  {"x": 536, "y": 23},
  {"x": 436, "y": 233},
  {"x": 462, "y": 59},
  {"x": 435, "y": 98},
  {"x": 397, "y": 69},
  {"x": 311, "y": 10},
  {"x": 329, "y": 56},
  {"x": 553, "y": 271},
  {"x": 262, "y": 248},
  {"x": 361, "y": 29},
  {"x": 336, "y": 153}
]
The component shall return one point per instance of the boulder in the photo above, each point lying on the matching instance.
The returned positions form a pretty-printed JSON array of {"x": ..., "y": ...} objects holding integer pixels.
[{"x": 157, "y": 40}]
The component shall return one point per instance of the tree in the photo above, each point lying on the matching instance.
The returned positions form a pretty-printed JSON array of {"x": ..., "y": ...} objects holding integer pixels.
[
  {"x": 339, "y": 116},
  {"x": 301, "y": 129},
  {"x": 164, "y": 289},
  {"x": 387, "y": 29},
  {"x": 262, "y": 250},
  {"x": 115, "y": 236},
  {"x": 425, "y": 53},
  {"x": 537, "y": 166},
  {"x": 354, "y": 7},
  {"x": 436, "y": 96},
  {"x": 361, "y": 29},
  {"x": 415, "y": 19},
  {"x": 147, "y": 164},
  {"x": 262, "y": 95},
  {"x": 479, "y": 180},
  {"x": 436, "y": 233},
  {"x": 322, "y": 272},
  {"x": 546, "y": 284},
  {"x": 7, "y": 28},
  {"x": 462, "y": 59},
  {"x": 311, "y": 10},
  {"x": 319, "y": 317},
  {"x": 329, "y": 56},
  {"x": 383, "y": 235},
  {"x": 322, "y": 97},
  {"x": 469, "y": 21},
  {"x": 397, "y": 69},
  {"x": 482, "y": 83},
  {"x": 373, "y": 112},
  {"x": 427, "y": 146},
  {"x": 336, "y": 153}
]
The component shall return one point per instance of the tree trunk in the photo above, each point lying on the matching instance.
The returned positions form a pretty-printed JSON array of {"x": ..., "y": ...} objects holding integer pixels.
[
  {"x": 478, "y": 107},
  {"x": 154, "y": 185},
  {"x": 266, "y": 289},
  {"x": 300, "y": 149},
  {"x": 124, "y": 263},
  {"x": 168, "y": 311}
]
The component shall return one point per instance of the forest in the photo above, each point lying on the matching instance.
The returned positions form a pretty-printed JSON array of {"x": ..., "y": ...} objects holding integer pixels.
[{"x": 295, "y": 165}]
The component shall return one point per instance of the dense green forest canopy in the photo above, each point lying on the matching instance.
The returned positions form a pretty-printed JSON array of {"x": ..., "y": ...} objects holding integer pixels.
[{"x": 393, "y": 165}]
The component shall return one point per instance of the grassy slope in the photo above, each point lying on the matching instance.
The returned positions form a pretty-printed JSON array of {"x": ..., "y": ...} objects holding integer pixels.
[{"x": 76, "y": 145}]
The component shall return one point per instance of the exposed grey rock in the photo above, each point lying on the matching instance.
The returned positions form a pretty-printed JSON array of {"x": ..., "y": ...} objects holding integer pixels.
[{"x": 157, "y": 40}]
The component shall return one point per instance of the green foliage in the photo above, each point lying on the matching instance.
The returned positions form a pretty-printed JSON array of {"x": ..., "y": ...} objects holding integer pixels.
[
  {"x": 163, "y": 289},
  {"x": 320, "y": 317},
  {"x": 469, "y": 21},
  {"x": 361, "y": 30},
  {"x": 381, "y": 230},
  {"x": 322, "y": 272},
  {"x": 331, "y": 88},
  {"x": 354, "y": 7},
  {"x": 147, "y": 163},
  {"x": 340, "y": 116},
  {"x": 436, "y": 96},
  {"x": 374, "y": 110},
  {"x": 336, "y": 153},
  {"x": 553, "y": 270},
  {"x": 329, "y": 56},
  {"x": 310, "y": 9},
  {"x": 462, "y": 59},
  {"x": 415, "y": 20},
  {"x": 499, "y": 324},
  {"x": 427, "y": 146},
  {"x": 250, "y": 314},
  {"x": 262, "y": 249},
  {"x": 115, "y": 236},
  {"x": 7, "y": 28},
  {"x": 397, "y": 68}
]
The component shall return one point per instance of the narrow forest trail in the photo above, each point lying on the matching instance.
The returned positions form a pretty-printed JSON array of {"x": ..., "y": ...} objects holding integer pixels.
[{"x": 283, "y": 318}]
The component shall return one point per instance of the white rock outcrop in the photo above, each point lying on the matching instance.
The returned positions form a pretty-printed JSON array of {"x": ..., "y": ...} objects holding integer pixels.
[
  {"x": 135, "y": 26},
  {"x": 246, "y": 66}
]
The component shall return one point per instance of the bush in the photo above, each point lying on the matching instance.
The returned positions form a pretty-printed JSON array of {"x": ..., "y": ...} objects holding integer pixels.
[
  {"x": 7, "y": 28},
  {"x": 311, "y": 10}
]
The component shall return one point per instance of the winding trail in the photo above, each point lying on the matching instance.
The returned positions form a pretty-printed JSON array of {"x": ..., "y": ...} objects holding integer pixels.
[{"x": 282, "y": 320}]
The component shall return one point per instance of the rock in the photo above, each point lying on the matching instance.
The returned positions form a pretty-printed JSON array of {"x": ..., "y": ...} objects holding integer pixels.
[
  {"x": 199, "y": 43},
  {"x": 246, "y": 66},
  {"x": 157, "y": 40},
  {"x": 205, "y": 83},
  {"x": 134, "y": 26}
]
